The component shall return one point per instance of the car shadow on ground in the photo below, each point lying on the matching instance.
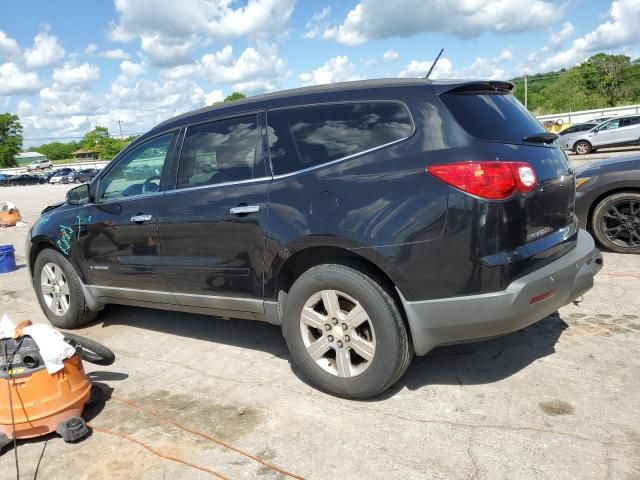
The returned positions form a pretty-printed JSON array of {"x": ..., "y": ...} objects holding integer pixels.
[{"x": 468, "y": 364}]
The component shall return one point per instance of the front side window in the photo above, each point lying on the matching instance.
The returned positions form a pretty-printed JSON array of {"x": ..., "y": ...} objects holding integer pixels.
[
  {"x": 304, "y": 137},
  {"x": 610, "y": 125},
  {"x": 219, "y": 152},
  {"x": 138, "y": 172}
]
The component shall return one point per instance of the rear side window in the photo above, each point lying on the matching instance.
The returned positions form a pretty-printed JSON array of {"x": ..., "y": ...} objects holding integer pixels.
[
  {"x": 628, "y": 122},
  {"x": 491, "y": 116},
  {"x": 218, "y": 152},
  {"x": 304, "y": 137}
]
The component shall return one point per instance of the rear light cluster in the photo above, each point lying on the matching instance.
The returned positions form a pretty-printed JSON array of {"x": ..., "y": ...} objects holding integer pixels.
[{"x": 490, "y": 180}]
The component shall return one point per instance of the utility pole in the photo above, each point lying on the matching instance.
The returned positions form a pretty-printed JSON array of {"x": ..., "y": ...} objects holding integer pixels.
[
  {"x": 120, "y": 125},
  {"x": 526, "y": 100}
]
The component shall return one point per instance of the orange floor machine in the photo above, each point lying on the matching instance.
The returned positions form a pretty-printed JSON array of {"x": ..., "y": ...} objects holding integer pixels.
[{"x": 34, "y": 402}]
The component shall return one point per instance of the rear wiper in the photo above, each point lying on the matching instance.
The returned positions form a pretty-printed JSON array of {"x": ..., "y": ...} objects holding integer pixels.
[{"x": 544, "y": 137}]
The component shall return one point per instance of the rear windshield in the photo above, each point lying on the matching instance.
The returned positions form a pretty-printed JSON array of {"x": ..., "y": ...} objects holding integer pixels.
[{"x": 492, "y": 116}]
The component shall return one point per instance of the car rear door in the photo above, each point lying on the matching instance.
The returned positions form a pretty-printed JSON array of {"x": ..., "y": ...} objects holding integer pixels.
[
  {"x": 630, "y": 129},
  {"x": 118, "y": 234},
  {"x": 213, "y": 223}
]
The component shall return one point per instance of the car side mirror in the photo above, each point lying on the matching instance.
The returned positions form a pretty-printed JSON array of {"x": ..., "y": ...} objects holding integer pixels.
[{"x": 79, "y": 195}]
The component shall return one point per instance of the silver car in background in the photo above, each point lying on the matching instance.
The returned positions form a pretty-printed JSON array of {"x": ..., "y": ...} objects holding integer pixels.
[{"x": 617, "y": 132}]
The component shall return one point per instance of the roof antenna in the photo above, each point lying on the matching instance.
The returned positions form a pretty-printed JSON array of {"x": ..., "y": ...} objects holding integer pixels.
[{"x": 433, "y": 65}]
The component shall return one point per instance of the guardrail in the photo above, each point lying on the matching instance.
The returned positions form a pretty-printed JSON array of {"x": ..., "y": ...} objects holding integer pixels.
[
  {"x": 56, "y": 166},
  {"x": 567, "y": 118}
]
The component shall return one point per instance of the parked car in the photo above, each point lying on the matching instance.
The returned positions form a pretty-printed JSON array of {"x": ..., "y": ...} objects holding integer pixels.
[
  {"x": 578, "y": 127},
  {"x": 24, "y": 179},
  {"x": 80, "y": 176},
  {"x": 4, "y": 179},
  {"x": 60, "y": 174},
  {"x": 363, "y": 217},
  {"x": 39, "y": 165},
  {"x": 46, "y": 176},
  {"x": 608, "y": 202},
  {"x": 618, "y": 132},
  {"x": 599, "y": 120}
]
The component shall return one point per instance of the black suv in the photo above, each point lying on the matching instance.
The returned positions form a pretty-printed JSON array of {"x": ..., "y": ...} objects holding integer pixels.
[{"x": 371, "y": 220}]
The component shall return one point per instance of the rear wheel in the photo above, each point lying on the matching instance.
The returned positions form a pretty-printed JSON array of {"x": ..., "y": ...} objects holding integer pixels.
[
  {"x": 345, "y": 332},
  {"x": 582, "y": 147},
  {"x": 616, "y": 222},
  {"x": 59, "y": 292}
]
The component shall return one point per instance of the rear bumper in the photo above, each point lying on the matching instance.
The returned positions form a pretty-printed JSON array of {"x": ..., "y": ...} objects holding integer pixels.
[{"x": 474, "y": 317}]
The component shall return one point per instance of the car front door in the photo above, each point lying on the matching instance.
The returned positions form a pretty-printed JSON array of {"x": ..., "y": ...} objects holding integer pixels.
[
  {"x": 118, "y": 234},
  {"x": 212, "y": 224},
  {"x": 607, "y": 134}
]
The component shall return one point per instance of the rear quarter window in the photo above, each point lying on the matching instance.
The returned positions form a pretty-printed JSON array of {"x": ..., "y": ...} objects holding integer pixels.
[
  {"x": 304, "y": 137},
  {"x": 492, "y": 116}
]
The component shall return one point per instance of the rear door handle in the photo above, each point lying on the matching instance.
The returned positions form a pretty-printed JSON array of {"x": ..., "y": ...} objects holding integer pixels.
[
  {"x": 141, "y": 218},
  {"x": 244, "y": 209}
]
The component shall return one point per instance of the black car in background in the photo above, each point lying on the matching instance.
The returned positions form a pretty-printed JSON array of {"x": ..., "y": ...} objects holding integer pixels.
[
  {"x": 24, "y": 179},
  {"x": 80, "y": 176},
  {"x": 608, "y": 202},
  {"x": 371, "y": 220},
  {"x": 4, "y": 179}
]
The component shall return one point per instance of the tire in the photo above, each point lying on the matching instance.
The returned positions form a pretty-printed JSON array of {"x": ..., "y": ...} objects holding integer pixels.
[
  {"x": 92, "y": 351},
  {"x": 616, "y": 222},
  {"x": 381, "y": 337},
  {"x": 582, "y": 147},
  {"x": 76, "y": 180},
  {"x": 76, "y": 312}
]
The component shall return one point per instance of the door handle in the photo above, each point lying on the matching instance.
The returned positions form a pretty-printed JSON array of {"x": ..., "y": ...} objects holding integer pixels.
[
  {"x": 244, "y": 209},
  {"x": 141, "y": 218}
]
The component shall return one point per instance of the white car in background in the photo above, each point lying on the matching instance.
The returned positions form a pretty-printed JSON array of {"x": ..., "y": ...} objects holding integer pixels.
[
  {"x": 57, "y": 177},
  {"x": 39, "y": 165},
  {"x": 617, "y": 132}
]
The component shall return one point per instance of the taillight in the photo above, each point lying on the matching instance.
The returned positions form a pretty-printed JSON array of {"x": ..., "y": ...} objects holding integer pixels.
[{"x": 490, "y": 180}]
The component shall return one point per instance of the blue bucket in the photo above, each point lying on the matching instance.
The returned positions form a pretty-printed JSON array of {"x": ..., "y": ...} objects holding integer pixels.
[{"x": 7, "y": 259}]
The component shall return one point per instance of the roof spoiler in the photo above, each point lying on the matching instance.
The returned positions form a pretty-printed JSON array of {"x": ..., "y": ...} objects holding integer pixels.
[{"x": 474, "y": 86}]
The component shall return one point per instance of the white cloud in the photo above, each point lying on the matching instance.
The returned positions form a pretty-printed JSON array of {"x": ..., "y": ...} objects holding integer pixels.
[
  {"x": 13, "y": 80},
  {"x": 9, "y": 48},
  {"x": 91, "y": 48},
  {"x": 336, "y": 69},
  {"x": 418, "y": 69},
  {"x": 390, "y": 55},
  {"x": 486, "y": 68},
  {"x": 377, "y": 19},
  {"x": 214, "y": 96},
  {"x": 181, "y": 71},
  {"x": 314, "y": 26},
  {"x": 619, "y": 30},
  {"x": 167, "y": 52},
  {"x": 117, "y": 54},
  {"x": 71, "y": 75},
  {"x": 565, "y": 32},
  {"x": 45, "y": 52},
  {"x": 258, "y": 68},
  {"x": 131, "y": 70}
]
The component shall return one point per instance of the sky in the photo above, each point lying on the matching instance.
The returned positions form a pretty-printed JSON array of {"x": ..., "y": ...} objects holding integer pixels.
[{"x": 66, "y": 67}]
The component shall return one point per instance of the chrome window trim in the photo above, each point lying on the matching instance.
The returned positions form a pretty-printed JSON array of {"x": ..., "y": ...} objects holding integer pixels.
[
  {"x": 214, "y": 185},
  {"x": 341, "y": 159}
]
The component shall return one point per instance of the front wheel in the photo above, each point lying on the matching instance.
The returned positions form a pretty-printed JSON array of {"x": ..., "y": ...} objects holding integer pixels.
[
  {"x": 582, "y": 147},
  {"x": 616, "y": 222},
  {"x": 59, "y": 292},
  {"x": 345, "y": 332}
]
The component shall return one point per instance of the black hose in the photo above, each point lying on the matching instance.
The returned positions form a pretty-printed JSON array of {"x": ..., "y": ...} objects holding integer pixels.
[
  {"x": 92, "y": 351},
  {"x": 7, "y": 363}
]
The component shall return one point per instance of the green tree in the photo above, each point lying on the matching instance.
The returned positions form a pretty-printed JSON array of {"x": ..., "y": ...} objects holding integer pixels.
[
  {"x": 231, "y": 98},
  {"x": 10, "y": 139},
  {"x": 603, "y": 73},
  {"x": 95, "y": 138},
  {"x": 57, "y": 150}
]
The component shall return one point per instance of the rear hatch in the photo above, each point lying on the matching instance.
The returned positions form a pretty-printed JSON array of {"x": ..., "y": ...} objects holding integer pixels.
[{"x": 539, "y": 226}]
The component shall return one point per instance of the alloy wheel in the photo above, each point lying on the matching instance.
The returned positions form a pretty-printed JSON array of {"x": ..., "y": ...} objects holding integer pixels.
[
  {"x": 338, "y": 333},
  {"x": 55, "y": 289},
  {"x": 621, "y": 223}
]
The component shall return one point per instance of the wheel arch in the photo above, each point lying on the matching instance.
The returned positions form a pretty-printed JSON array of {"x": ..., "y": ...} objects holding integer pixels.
[{"x": 303, "y": 259}]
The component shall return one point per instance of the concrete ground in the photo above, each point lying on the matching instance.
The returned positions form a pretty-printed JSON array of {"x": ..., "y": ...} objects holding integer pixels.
[
  {"x": 601, "y": 154},
  {"x": 560, "y": 399}
]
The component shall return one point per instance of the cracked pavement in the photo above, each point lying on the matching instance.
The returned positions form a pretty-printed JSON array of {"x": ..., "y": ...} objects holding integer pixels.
[{"x": 559, "y": 399}]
